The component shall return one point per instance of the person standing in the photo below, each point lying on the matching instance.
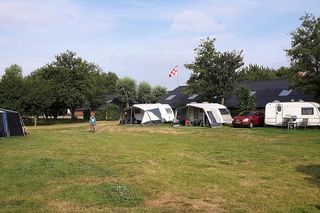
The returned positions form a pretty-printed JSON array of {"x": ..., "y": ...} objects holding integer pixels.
[{"x": 92, "y": 122}]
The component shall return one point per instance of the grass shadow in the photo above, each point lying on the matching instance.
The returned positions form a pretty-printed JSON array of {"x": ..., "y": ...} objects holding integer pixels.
[{"x": 313, "y": 172}]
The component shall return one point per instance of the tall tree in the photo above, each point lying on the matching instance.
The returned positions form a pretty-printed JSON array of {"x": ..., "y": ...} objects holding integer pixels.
[
  {"x": 247, "y": 102},
  {"x": 305, "y": 55},
  {"x": 126, "y": 88},
  {"x": 73, "y": 78},
  {"x": 39, "y": 96},
  {"x": 144, "y": 93},
  {"x": 214, "y": 72},
  {"x": 104, "y": 83},
  {"x": 256, "y": 72},
  {"x": 158, "y": 92},
  {"x": 11, "y": 88}
]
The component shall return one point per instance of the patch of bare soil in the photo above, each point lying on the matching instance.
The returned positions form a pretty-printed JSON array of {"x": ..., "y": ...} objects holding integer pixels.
[
  {"x": 183, "y": 204},
  {"x": 113, "y": 127}
]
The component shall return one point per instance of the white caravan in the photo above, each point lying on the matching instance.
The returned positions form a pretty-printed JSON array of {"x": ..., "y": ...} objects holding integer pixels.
[
  {"x": 277, "y": 112},
  {"x": 215, "y": 114},
  {"x": 148, "y": 113}
]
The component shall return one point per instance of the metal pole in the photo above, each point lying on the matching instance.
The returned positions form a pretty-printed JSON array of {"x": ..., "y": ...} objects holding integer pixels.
[{"x": 177, "y": 79}]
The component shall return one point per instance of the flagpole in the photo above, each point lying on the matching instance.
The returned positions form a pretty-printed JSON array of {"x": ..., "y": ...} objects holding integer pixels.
[{"x": 177, "y": 79}]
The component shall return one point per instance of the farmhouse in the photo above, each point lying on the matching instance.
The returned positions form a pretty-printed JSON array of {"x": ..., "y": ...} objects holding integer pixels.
[{"x": 264, "y": 90}]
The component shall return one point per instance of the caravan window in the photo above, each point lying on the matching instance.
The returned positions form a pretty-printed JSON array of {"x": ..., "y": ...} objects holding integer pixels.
[
  {"x": 168, "y": 110},
  {"x": 224, "y": 111},
  {"x": 307, "y": 111},
  {"x": 279, "y": 108}
]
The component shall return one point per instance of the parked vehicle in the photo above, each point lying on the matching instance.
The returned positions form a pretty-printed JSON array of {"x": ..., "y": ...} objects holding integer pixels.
[
  {"x": 301, "y": 113},
  {"x": 248, "y": 119}
]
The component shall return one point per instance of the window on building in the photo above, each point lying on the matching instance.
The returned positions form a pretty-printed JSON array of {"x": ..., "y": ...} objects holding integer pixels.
[
  {"x": 285, "y": 92},
  {"x": 278, "y": 108},
  {"x": 170, "y": 97},
  {"x": 307, "y": 111},
  {"x": 253, "y": 93},
  {"x": 193, "y": 96}
]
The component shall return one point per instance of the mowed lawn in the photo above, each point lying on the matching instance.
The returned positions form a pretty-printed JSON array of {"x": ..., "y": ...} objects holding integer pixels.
[{"x": 160, "y": 169}]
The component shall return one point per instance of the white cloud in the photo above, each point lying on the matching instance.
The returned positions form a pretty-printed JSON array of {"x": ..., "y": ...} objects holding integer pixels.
[
  {"x": 195, "y": 21},
  {"x": 52, "y": 15}
]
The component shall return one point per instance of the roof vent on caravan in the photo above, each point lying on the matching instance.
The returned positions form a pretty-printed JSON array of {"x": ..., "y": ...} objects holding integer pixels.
[
  {"x": 300, "y": 100},
  {"x": 193, "y": 102},
  {"x": 205, "y": 102},
  {"x": 276, "y": 101},
  {"x": 292, "y": 100}
]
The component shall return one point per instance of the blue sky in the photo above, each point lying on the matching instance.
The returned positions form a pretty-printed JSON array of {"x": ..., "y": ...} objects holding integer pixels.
[{"x": 145, "y": 39}]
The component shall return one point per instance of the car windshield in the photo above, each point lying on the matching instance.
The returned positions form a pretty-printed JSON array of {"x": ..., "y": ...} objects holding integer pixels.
[{"x": 247, "y": 114}]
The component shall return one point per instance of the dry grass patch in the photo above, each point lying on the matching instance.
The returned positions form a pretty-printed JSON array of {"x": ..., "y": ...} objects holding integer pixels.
[{"x": 184, "y": 204}]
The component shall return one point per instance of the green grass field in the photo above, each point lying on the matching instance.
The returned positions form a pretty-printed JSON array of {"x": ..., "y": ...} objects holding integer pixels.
[{"x": 160, "y": 169}]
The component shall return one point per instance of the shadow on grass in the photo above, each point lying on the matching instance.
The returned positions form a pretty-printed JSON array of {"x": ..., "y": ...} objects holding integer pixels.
[{"x": 313, "y": 172}]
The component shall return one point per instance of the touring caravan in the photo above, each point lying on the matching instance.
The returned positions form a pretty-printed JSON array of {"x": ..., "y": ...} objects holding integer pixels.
[
  {"x": 148, "y": 114},
  {"x": 209, "y": 114},
  {"x": 304, "y": 113}
]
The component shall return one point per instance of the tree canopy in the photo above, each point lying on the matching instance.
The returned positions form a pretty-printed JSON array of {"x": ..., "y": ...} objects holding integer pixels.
[
  {"x": 247, "y": 102},
  {"x": 256, "y": 72},
  {"x": 11, "y": 88},
  {"x": 73, "y": 80},
  {"x": 126, "y": 90},
  {"x": 158, "y": 92},
  {"x": 213, "y": 72},
  {"x": 305, "y": 55},
  {"x": 144, "y": 93}
]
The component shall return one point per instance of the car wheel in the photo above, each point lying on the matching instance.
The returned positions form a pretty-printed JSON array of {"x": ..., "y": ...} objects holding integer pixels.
[{"x": 251, "y": 125}]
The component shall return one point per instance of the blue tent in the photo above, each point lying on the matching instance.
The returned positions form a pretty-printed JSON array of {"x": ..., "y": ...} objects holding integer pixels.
[{"x": 11, "y": 123}]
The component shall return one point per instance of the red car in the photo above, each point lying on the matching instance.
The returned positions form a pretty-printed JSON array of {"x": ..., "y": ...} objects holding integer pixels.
[{"x": 249, "y": 119}]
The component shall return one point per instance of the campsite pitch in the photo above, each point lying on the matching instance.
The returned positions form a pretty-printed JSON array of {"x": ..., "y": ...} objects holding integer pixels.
[{"x": 160, "y": 169}]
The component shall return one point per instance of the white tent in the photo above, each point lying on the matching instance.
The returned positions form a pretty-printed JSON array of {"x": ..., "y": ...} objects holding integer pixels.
[
  {"x": 150, "y": 113},
  {"x": 211, "y": 113}
]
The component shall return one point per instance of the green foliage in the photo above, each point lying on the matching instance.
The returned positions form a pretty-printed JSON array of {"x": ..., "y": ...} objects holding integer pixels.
[
  {"x": 103, "y": 84},
  {"x": 256, "y": 72},
  {"x": 73, "y": 79},
  {"x": 102, "y": 195},
  {"x": 112, "y": 112},
  {"x": 38, "y": 101},
  {"x": 305, "y": 54},
  {"x": 126, "y": 89},
  {"x": 144, "y": 93},
  {"x": 157, "y": 93},
  {"x": 11, "y": 88},
  {"x": 247, "y": 101},
  {"x": 214, "y": 72}
]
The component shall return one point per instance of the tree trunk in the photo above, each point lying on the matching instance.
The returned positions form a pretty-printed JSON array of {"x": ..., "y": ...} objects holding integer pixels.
[
  {"x": 35, "y": 119},
  {"x": 222, "y": 101},
  {"x": 72, "y": 114}
]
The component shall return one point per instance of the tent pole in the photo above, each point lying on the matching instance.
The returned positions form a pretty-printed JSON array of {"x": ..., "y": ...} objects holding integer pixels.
[{"x": 131, "y": 116}]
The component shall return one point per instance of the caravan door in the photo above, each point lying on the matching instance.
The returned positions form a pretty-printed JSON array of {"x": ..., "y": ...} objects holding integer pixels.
[{"x": 279, "y": 114}]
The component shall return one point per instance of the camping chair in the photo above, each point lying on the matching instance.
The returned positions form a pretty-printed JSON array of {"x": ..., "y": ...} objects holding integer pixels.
[
  {"x": 292, "y": 124},
  {"x": 304, "y": 123},
  {"x": 285, "y": 122}
]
